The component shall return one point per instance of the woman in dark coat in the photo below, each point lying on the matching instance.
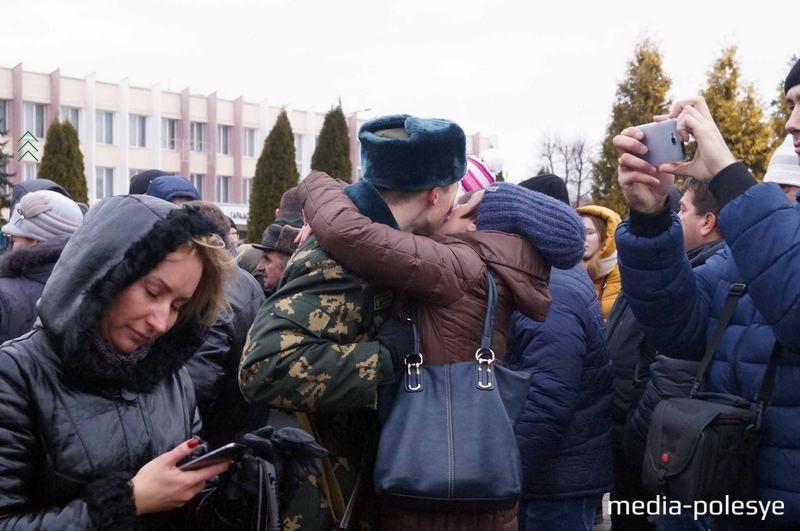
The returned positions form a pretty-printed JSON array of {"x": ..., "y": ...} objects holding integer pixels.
[{"x": 94, "y": 411}]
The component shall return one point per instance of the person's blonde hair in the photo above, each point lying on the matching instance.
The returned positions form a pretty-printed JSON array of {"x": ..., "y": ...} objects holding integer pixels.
[
  {"x": 592, "y": 264},
  {"x": 209, "y": 299}
]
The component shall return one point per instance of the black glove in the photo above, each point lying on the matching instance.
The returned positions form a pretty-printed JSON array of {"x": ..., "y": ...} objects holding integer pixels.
[
  {"x": 398, "y": 338},
  {"x": 275, "y": 460},
  {"x": 293, "y": 452}
]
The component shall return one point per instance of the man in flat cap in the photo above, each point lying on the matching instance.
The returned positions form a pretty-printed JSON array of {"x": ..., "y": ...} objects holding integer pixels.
[{"x": 277, "y": 245}]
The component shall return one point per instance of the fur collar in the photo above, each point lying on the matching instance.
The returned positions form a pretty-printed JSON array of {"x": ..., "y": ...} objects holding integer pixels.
[
  {"x": 170, "y": 352},
  {"x": 36, "y": 262},
  {"x": 370, "y": 203}
]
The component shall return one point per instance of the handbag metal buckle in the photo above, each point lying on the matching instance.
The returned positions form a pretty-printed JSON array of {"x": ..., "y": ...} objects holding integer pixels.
[
  {"x": 485, "y": 358},
  {"x": 413, "y": 375}
]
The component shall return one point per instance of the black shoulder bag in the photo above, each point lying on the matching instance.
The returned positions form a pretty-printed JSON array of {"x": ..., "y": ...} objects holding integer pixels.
[
  {"x": 705, "y": 447},
  {"x": 448, "y": 442}
]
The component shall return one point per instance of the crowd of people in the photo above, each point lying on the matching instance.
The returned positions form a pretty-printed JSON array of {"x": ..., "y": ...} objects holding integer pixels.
[{"x": 141, "y": 334}]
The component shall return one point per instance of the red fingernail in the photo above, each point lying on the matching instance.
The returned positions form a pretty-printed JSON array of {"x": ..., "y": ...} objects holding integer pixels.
[{"x": 193, "y": 442}]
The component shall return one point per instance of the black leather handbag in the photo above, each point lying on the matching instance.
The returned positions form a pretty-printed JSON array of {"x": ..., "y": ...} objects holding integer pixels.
[
  {"x": 448, "y": 442},
  {"x": 705, "y": 447}
]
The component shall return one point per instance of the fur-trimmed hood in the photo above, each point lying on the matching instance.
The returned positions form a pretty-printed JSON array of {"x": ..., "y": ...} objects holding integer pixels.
[
  {"x": 35, "y": 263},
  {"x": 121, "y": 239}
]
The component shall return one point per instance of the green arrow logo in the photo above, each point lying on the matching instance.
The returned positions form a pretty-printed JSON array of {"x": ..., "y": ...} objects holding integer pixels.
[
  {"x": 28, "y": 133},
  {"x": 28, "y": 143}
]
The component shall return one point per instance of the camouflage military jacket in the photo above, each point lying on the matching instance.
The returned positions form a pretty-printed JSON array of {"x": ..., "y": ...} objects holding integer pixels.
[{"x": 309, "y": 349}]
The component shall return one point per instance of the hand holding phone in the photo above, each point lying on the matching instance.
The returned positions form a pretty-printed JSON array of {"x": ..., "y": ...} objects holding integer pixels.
[
  {"x": 663, "y": 142},
  {"x": 160, "y": 486},
  {"x": 229, "y": 452}
]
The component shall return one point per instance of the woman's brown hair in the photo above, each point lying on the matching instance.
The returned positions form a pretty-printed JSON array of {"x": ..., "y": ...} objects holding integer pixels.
[
  {"x": 592, "y": 264},
  {"x": 209, "y": 299}
]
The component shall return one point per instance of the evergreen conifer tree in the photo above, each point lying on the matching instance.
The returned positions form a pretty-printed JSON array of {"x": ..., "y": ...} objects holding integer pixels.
[
  {"x": 276, "y": 172},
  {"x": 738, "y": 113},
  {"x": 5, "y": 177},
  {"x": 640, "y": 96},
  {"x": 62, "y": 160},
  {"x": 332, "y": 154}
]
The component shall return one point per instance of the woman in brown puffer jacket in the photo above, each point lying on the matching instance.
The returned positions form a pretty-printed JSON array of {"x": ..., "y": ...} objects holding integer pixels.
[{"x": 447, "y": 277}]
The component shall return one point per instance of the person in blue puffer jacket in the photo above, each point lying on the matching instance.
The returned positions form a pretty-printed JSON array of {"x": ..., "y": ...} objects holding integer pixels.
[
  {"x": 564, "y": 430},
  {"x": 679, "y": 308}
]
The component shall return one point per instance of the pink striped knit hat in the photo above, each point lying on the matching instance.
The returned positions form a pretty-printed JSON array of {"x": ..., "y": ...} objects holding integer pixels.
[{"x": 478, "y": 176}]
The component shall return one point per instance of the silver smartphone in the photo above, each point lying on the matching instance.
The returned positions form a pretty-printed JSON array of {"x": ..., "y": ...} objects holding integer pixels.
[
  {"x": 229, "y": 452},
  {"x": 663, "y": 142}
]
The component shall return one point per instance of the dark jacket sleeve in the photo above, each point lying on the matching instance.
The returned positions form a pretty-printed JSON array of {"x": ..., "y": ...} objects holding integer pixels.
[
  {"x": 656, "y": 276},
  {"x": 108, "y": 503},
  {"x": 216, "y": 362},
  {"x": 207, "y": 366},
  {"x": 762, "y": 230},
  {"x": 433, "y": 272},
  {"x": 553, "y": 352}
]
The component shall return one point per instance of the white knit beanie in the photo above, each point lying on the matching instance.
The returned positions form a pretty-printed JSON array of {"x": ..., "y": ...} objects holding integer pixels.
[
  {"x": 42, "y": 215},
  {"x": 784, "y": 166}
]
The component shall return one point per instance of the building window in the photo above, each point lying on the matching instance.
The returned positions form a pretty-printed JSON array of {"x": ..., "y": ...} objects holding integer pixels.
[
  {"x": 223, "y": 187},
  {"x": 247, "y": 189},
  {"x": 197, "y": 136},
  {"x": 105, "y": 127},
  {"x": 3, "y": 116},
  {"x": 224, "y": 139},
  {"x": 137, "y": 134},
  {"x": 197, "y": 180},
  {"x": 104, "y": 182},
  {"x": 298, "y": 152},
  {"x": 169, "y": 128},
  {"x": 30, "y": 170},
  {"x": 73, "y": 116},
  {"x": 248, "y": 142},
  {"x": 34, "y": 119}
]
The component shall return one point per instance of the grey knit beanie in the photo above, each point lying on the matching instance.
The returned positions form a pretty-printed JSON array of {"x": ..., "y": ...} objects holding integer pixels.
[
  {"x": 548, "y": 224},
  {"x": 43, "y": 215}
]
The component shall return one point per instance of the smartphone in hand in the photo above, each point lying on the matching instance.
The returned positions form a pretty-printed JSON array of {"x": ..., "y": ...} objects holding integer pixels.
[
  {"x": 229, "y": 452},
  {"x": 663, "y": 142}
]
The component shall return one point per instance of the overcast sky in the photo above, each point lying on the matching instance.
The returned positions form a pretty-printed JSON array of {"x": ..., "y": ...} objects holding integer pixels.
[{"x": 515, "y": 69}]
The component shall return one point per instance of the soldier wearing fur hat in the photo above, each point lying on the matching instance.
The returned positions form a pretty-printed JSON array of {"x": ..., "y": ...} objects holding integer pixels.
[{"x": 309, "y": 349}]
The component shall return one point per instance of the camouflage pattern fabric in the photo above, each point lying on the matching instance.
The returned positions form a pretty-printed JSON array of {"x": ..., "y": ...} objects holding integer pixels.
[{"x": 309, "y": 349}]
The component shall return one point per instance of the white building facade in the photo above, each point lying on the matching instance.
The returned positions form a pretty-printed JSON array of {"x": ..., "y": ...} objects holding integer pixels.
[{"x": 126, "y": 129}]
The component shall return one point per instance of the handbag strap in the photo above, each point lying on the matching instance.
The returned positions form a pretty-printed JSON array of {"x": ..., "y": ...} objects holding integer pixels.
[
  {"x": 734, "y": 294},
  {"x": 488, "y": 320},
  {"x": 491, "y": 308}
]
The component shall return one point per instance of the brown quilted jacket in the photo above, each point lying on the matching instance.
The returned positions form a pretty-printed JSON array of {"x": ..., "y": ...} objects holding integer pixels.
[{"x": 446, "y": 277}]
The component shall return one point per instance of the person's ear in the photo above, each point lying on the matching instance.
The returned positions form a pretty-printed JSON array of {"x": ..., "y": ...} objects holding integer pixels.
[
  {"x": 433, "y": 196},
  {"x": 709, "y": 223}
]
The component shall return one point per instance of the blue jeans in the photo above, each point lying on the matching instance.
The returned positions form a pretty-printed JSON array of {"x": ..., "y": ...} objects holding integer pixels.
[
  {"x": 682, "y": 522},
  {"x": 558, "y": 515}
]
